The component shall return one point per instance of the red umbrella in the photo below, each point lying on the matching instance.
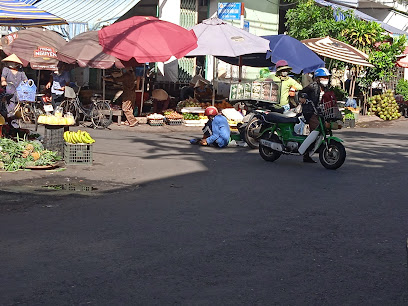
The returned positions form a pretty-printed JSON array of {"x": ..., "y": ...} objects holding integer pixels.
[
  {"x": 146, "y": 39},
  {"x": 403, "y": 60}
]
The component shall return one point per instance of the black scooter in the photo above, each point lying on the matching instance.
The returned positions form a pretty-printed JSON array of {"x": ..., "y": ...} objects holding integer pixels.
[{"x": 251, "y": 125}]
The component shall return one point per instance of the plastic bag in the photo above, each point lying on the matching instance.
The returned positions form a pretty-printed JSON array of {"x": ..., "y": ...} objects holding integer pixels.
[
  {"x": 351, "y": 103},
  {"x": 26, "y": 91}
]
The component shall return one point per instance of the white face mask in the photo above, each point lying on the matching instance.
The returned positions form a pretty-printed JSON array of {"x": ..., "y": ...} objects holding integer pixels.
[
  {"x": 284, "y": 73},
  {"x": 324, "y": 82}
]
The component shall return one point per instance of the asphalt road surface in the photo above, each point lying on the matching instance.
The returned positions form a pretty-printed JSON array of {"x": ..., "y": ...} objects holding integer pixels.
[{"x": 173, "y": 223}]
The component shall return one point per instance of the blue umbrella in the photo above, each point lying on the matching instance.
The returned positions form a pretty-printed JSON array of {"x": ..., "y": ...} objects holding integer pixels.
[{"x": 282, "y": 47}]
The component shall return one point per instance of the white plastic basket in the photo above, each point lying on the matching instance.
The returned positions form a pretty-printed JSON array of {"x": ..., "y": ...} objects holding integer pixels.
[{"x": 330, "y": 112}]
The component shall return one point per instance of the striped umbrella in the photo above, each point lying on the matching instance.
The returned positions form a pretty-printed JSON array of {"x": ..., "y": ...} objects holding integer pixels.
[
  {"x": 403, "y": 59},
  {"x": 338, "y": 50},
  {"x": 17, "y": 14}
]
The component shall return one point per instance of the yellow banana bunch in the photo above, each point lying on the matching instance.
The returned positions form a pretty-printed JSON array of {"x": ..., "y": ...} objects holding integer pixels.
[{"x": 78, "y": 137}]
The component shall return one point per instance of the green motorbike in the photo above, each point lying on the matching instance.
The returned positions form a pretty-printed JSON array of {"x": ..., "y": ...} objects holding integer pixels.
[{"x": 277, "y": 136}]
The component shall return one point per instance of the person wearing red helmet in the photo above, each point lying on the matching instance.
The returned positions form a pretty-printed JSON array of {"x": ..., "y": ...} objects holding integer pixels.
[
  {"x": 217, "y": 130},
  {"x": 282, "y": 76}
]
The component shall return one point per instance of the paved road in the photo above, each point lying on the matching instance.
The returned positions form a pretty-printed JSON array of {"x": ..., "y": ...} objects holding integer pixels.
[{"x": 178, "y": 224}]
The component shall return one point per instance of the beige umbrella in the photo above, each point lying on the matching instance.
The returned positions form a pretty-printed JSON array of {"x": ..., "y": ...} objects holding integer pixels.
[{"x": 332, "y": 48}]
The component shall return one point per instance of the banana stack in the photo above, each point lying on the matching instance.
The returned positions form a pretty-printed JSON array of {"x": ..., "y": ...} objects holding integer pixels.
[{"x": 78, "y": 137}]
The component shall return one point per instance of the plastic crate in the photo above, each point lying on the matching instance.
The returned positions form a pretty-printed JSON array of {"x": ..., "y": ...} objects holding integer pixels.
[
  {"x": 351, "y": 123},
  {"x": 78, "y": 154},
  {"x": 156, "y": 122},
  {"x": 54, "y": 138},
  {"x": 174, "y": 121}
]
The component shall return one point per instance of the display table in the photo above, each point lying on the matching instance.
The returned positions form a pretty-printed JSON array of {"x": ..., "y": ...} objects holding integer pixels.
[{"x": 118, "y": 113}]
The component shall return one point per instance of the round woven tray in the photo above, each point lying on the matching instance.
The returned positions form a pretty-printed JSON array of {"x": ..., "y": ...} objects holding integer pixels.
[{"x": 54, "y": 165}]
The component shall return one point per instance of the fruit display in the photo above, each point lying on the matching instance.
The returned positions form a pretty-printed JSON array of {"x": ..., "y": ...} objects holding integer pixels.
[
  {"x": 78, "y": 137},
  {"x": 204, "y": 105},
  {"x": 190, "y": 102},
  {"x": 20, "y": 154},
  {"x": 189, "y": 116},
  {"x": 384, "y": 106},
  {"x": 173, "y": 115},
  {"x": 224, "y": 104},
  {"x": 155, "y": 116},
  {"x": 56, "y": 120},
  {"x": 155, "y": 119}
]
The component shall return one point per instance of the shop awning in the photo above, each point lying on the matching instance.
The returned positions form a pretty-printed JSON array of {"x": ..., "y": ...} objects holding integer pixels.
[
  {"x": 361, "y": 15},
  {"x": 16, "y": 13},
  {"x": 83, "y": 15}
]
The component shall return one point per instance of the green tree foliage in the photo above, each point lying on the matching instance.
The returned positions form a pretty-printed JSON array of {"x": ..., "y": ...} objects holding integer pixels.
[
  {"x": 360, "y": 34},
  {"x": 308, "y": 20},
  {"x": 402, "y": 88},
  {"x": 383, "y": 56}
]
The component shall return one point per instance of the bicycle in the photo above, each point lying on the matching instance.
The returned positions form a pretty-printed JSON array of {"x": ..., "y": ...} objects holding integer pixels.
[{"x": 99, "y": 112}]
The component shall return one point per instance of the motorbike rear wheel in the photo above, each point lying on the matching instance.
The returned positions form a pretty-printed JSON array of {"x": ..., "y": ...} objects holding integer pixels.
[
  {"x": 333, "y": 156},
  {"x": 249, "y": 135},
  {"x": 267, "y": 153}
]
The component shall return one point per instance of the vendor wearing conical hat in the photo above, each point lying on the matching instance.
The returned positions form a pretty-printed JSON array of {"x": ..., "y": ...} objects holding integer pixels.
[
  {"x": 11, "y": 76},
  {"x": 12, "y": 73},
  {"x": 286, "y": 83}
]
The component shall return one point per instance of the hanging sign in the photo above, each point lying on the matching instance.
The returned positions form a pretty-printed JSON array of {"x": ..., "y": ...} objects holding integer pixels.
[
  {"x": 246, "y": 26},
  {"x": 229, "y": 11},
  {"x": 45, "y": 52}
]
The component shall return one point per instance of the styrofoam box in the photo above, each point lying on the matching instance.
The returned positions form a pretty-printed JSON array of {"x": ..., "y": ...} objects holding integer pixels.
[{"x": 232, "y": 114}]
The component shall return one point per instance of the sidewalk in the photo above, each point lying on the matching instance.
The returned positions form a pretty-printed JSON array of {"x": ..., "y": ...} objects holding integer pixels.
[{"x": 375, "y": 122}]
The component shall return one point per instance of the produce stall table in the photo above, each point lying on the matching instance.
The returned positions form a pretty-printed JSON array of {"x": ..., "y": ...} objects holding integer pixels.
[
  {"x": 115, "y": 112},
  {"x": 197, "y": 116}
]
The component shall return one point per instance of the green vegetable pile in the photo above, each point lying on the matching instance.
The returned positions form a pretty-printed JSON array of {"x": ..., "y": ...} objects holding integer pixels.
[
  {"x": 188, "y": 116},
  {"x": 384, "y": 106},
  {"x": 15, "y": 155},
  {"x": 348, "y": 114}
]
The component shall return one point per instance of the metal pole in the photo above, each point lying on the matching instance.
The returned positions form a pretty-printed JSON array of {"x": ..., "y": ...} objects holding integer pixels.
[
  {"x": 38, "y": 80},
  {"x": 142, "y": 90},
  {"x": 240, "y": 69},
  {"x": 103, "y": 84},
  {"x": 213, "y": 89}
]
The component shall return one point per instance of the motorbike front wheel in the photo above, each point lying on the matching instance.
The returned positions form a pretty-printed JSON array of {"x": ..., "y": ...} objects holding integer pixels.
[
  {"x": 250, "y": 136},
  {"x": 267, "y": 153},
  {"x": 333, "y": 155}
]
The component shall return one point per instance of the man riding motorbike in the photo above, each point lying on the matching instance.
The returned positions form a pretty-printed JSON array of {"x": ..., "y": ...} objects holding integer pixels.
[{"x": 317, "y": 92}]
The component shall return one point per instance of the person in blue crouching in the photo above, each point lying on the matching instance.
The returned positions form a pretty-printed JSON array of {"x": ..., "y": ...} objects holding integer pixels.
[{"x": 217, "y": 130}]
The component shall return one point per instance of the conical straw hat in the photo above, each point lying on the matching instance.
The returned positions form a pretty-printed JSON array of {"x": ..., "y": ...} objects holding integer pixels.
[
  {"x": 160, "y": 95},
  {"x": 12, "y": 58}
]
